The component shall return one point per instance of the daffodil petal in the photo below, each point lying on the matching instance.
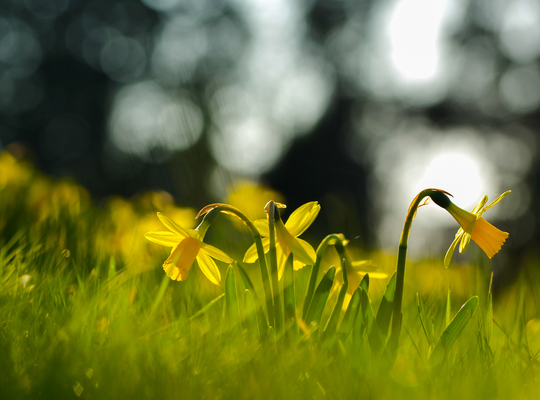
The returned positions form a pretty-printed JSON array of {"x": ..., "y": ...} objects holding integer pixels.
[
  {"x": 308, "y": 249},
  {"x": 376, "y": 275},
  {"x": 294, "y": 245},
  {"x": 450, "y": 252},
  {"x": 361, "y": 264},
  {"x": 194, "y": 234},
  {"x": 493, "y": 203},
  {"x": 262, "y": 227},
  {"x": 178, "y": 264},
  {"x": 302, "y": 218},
  {"x": 297, "y": 265},
  {"x": 480, "y": 204},
  {"x": 173, "y": 226},
  {"x": 251, "y": 254},
  {"x": 209, "y": 268},
  {"x": 216, "y": 253},
  {"x": 465, "y": 240},
  {"x": 164, "y": 238},
  {"x": 281, "y": 260}
]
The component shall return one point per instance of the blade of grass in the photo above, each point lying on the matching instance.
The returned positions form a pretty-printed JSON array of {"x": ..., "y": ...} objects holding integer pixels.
[
  {"x": 252, "y": 325},
  {"x": 350, "y": 315},
  {"x": 160, "y": 293},
  {"x": 364, "y": 283},
  {"x": 370, "y": 324},
  {"x": 454, "y": 329},
  {"x": 261, "y": 318},
  {"x": 332, "y": 324},
  {"x": 320, "y": 298},
  {"x": 231, "y": 299},
  {"x": 384, "y": 314},
  {"x": 203, "y": 310},
  {"x": 489, "y": 312},
  {"x": 289, "y": 302},
  {"x": 430, "y": 336},
  {"x": 448, "y": 313}
]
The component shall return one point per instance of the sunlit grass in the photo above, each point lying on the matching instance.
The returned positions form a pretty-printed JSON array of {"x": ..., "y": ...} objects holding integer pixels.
[{"x": 87, "y": 311}]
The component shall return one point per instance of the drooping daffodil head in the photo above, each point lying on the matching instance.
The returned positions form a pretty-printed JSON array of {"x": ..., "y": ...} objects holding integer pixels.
[
  {"x": 287, "y": 240},
  {"x": 187, "y": 247},
  {"x": 472, "y": 226}
]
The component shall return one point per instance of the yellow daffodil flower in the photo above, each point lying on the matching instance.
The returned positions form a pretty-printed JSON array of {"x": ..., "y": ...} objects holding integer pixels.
[
  {"x": 354, "y": 277},
  {"x": 287, "y": 238},
  {"x": 187, "y": 246},
  {"x": 473, "y": 226}
]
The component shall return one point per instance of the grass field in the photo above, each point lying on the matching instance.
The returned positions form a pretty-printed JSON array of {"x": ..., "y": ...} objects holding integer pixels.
[{"x": 86, "y": 310}]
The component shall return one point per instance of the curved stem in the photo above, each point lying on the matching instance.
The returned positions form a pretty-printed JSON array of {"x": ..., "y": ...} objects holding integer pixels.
[
  {"x": 402, "y": 256},
  {"x": 271, "y": 210},
  {"x": 329, "y": 240},
  {"x": 228, "y": 209}
]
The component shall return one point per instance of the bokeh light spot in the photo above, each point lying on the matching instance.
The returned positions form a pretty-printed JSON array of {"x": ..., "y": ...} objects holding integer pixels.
[
  {"x": 46, "y": 9},
  {"x": 520, "y": 89},
  {"x": 145, "y": 116},
  {"x": 123, "y": 59}
]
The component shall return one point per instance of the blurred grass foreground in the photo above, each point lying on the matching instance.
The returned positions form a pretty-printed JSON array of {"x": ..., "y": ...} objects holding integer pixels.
[{"x": 87, "y": 311}]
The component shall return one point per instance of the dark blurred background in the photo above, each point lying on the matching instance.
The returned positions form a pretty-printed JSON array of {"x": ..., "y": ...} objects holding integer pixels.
[{"x": 356, "y": 104}]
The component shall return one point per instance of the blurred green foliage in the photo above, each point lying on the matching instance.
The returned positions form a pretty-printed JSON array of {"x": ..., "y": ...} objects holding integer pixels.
[{"x": 87, "y": 311}]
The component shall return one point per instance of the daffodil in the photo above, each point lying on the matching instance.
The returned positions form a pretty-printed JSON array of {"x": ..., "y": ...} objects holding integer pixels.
[
  {"x": 473, "y": 226},
  {"x": 355, "y": 275},
  {"x": 287, "y": 237},
  {"x": 187, "y": 246}
]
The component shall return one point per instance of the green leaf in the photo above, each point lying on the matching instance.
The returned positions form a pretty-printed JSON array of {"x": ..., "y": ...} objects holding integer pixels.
[
  {"x": 423, "y": 319},
  {"x": 161, "y": 292},
  {"x": 252, "y": 324},
  {"x": 206, "y": 307},
  {"x": 231, "y": 299},
  {"x": 369, "y": 321},
  {"x": 384, "y": 314},
  {"x": 452, "y": 332},
  {"x": 320, "y": 298},
  {"x": 261, "y": 318},
  {"x": 489, "y": 312},
  {"x": 246, "y": 280},
  {"x": 272, "y": 337},
  {"x": 364, "y": 283},
  {"x": 448, "y": 309},
  {"x": 334, "y": 318},
  {"x": 289, "y": 302},
  {"x": 351, "y": 314},
  {"x": 112, "y": 268}
]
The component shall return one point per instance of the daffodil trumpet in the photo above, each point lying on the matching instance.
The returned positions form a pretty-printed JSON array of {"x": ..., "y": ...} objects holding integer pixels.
[
  {"x": 235, "y": 212},
  {"x": 187, "y": 247},
  {"x": 472, "y": 226}
]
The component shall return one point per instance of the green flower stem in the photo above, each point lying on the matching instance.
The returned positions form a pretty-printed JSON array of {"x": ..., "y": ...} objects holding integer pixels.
[
  {"x": 402, "y": 256},
  {"x": 329, "y": 240},
  {"x": 228, "y": 209},
  {"x": 273, "y": 212},
  {"x": 208, "y": 219}
]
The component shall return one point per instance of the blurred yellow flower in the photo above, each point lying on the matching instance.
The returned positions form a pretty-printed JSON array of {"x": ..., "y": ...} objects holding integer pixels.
[
  {"x": 251, "y": 197},
  {"x": 13, "y": 171},
  {"x": 187, "y": 246},
  {"x": 473, "y": 226},
  {"x": 287, "y": 238}
]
